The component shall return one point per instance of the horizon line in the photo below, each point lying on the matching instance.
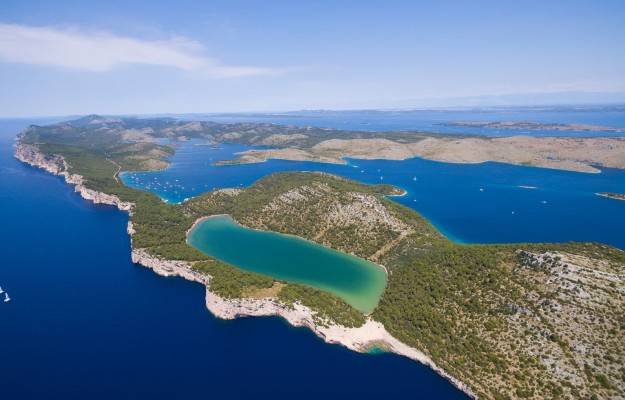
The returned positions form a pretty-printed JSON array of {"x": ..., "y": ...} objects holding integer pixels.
[{"x": 318, "y": 110}]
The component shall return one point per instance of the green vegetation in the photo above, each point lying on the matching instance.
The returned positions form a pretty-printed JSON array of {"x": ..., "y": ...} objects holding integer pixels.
[
  {"x": 161, "y": 228},
  {"x": 231, "y": 282},
  {"x": 362, "y": 234},
  {"x": 511, "y": 321}
]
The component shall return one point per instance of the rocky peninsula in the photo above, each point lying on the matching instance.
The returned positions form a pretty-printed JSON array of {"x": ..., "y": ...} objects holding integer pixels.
[
  {"x": 360, "y": 339},
  {"x": 610, "y": 195},
  {"x": 542, "y": 320},
  {"x": 57, "y": 165}
]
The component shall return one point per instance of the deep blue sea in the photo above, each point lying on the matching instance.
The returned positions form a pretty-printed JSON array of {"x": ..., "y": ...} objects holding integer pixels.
[{"x": 85, "y": 322}]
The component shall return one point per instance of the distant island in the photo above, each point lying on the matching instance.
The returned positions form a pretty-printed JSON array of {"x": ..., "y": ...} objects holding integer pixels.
[
  {"x": 498, "y": 321},
  {"x": 533, "y": 126},
  {"x": 332, "y": 145},
  {"x": 564, "y": 153},
  {"x": 610, "y": 195}
]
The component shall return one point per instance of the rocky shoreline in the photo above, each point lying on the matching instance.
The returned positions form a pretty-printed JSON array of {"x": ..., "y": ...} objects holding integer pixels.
[
  {"x": 610, "y": 195},
  {"x": 56, "y": 165},
  {"x": 359, "y": 339}
]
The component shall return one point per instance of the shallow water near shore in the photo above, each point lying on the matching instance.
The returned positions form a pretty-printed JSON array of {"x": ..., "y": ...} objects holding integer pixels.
[
  {"x": 357, "y": 281},
  {"x": 87, "y": 323}
]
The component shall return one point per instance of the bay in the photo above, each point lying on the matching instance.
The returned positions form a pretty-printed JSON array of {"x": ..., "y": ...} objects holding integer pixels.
[{"x": 470, "y": 203}]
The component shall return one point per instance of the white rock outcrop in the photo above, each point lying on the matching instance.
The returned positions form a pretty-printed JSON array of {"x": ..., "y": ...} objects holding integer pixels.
[{"x": 56, "y": 165}]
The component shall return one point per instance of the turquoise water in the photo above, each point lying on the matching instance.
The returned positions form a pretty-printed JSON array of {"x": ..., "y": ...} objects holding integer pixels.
[
  {"x": 357, "y": 281},
  {"x": 376, "y": 350}
]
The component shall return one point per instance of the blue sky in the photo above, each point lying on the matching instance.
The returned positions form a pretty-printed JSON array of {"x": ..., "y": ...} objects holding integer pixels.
[{"x": 146, "y": 57}]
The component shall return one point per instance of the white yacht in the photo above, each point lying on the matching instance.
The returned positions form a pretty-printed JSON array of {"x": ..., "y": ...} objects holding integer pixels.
[
  {"x": 1, "y": 291},
  {"x": 6, "y": 298}
]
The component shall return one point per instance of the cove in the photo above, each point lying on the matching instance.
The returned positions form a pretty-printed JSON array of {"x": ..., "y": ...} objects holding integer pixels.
[{"x": 359, "y": 282}]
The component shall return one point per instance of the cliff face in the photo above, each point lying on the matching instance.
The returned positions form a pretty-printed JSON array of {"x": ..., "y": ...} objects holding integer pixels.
[
  {"x": 168, "y": 267},
  {"x": 56, "y": 165},
  {"x": 30, "y": 154}
]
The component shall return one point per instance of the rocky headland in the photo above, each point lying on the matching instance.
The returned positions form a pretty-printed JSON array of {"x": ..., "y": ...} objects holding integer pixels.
[
  {"x": 610, "y": 195},
  {"x": 57, "y": 165},
  {"x": 496, "y": 321},
  {"x": 361, "y": 339}
]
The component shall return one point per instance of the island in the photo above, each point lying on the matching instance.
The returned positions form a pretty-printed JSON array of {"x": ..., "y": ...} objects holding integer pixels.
[
  {"x": 564, "y": 153},
  {"x": 498, "y": 321},
  {"x": 533, "y": 126},
  {"x": 610, "y": 195}
]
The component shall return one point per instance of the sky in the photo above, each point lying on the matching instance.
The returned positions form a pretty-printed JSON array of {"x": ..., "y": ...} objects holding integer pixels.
[{"x": 147, "y": 57}]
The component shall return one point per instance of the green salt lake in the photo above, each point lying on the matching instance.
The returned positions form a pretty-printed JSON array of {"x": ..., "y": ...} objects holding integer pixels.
[{"x": 359, "y": 282}]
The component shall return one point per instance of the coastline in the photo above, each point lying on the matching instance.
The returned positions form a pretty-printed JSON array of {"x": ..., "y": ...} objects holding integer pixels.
[
  {"x": 403, "y": 193},
  {"x": 57, "y": 165},
  {"x": 199, "y": 220},
  {"x": 261, "y": 156},
  {"x": 361, "y": 339},
  {"x": 613, "y": 196}
]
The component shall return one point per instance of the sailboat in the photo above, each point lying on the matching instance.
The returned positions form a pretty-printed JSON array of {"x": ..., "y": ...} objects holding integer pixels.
[
  {"x": 6, "y": 298},
  {"x": 1, "y": 291}
]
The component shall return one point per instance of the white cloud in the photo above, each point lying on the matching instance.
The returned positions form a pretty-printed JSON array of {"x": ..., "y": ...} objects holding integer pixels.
[{"x": 103, "y": 51}]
